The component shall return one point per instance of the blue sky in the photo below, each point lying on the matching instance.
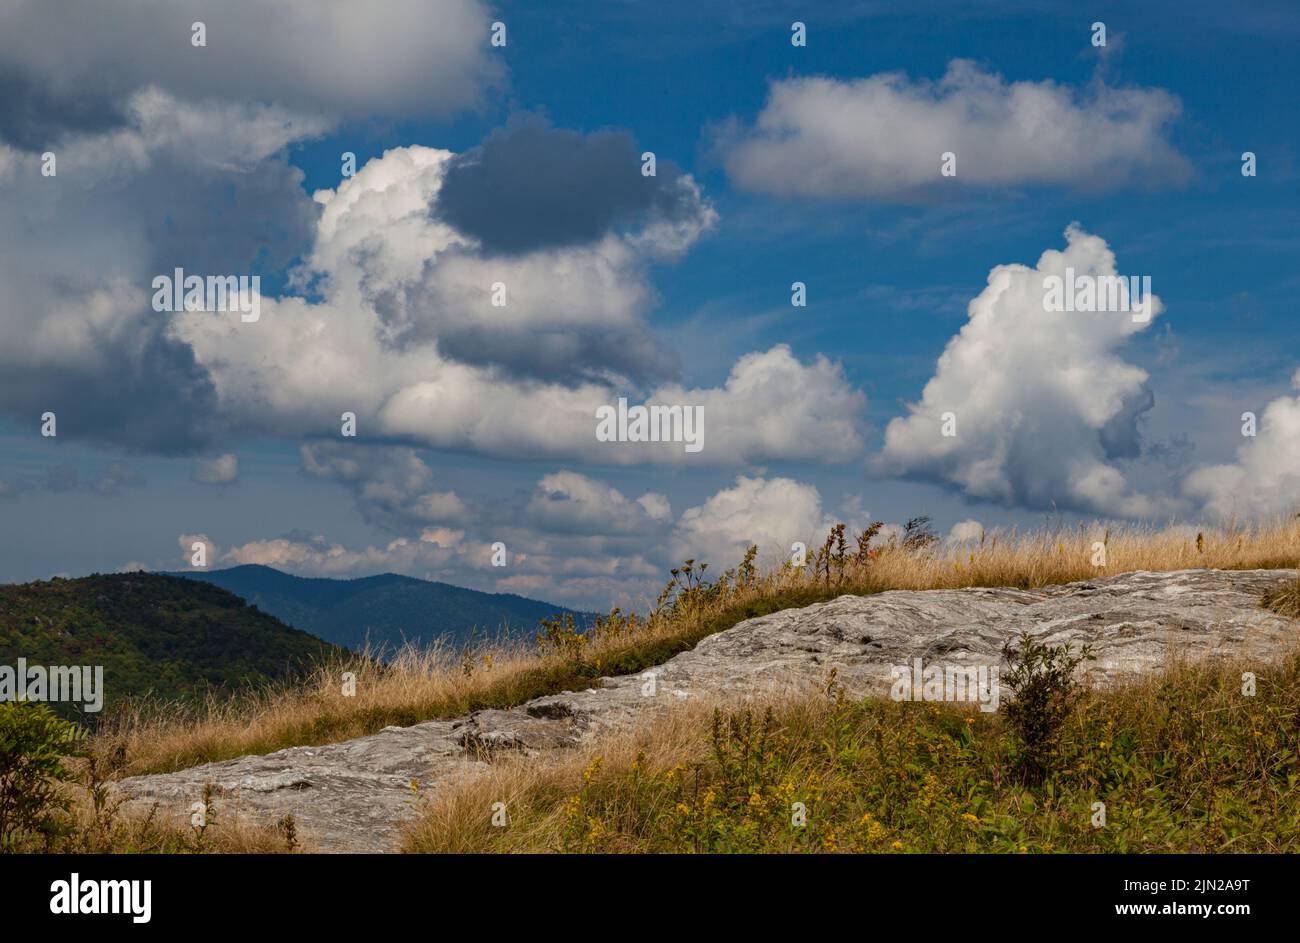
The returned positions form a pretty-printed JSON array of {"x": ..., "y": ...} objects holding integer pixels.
[{"x": 1144, "y": 155}]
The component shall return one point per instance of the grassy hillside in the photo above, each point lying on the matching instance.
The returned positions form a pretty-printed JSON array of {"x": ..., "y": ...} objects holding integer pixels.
[
  {"x": 154, "y": 635},
  {"x": 383, "y": 612}
]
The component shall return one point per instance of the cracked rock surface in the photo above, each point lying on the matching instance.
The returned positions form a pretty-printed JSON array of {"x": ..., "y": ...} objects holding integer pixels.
[{"x": 355, "y": 795}]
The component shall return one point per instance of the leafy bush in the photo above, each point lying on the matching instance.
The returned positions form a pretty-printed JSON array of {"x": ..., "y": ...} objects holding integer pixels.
[
  {"x": 561, "y": 634},
  {"x": 745, "y": 802},
  {"x": 34, "y": 743},
  {"x": 1042, "y": 680}
]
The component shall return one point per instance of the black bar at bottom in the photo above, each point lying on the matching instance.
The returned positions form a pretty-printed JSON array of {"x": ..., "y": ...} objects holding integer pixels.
[{"x": 333, "y": 893}]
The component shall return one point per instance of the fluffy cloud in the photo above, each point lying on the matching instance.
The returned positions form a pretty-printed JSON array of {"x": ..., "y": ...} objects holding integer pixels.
[
  {"x": 449, "y": 370},
  {"x": 72, "y": 64},
  {"x": 772, "y": 513},
  {"x": 175, "y": 156},
  {"x": 322, "y": 558},
  {"x": 965, "y": 531},
  {"x": 573, "y": 503},
  {"x": 882, "y": 136},
  {"x": 313, "y": 554},
  {"x": 1044, "y": 406},
  {"x": 530, "y": 186},
  {"x": 393, "y": 487},
  {"x": 574, "y": 303},
  {"x": 221, "y": 470},
  {"x": 771, "y": 406},
  {"x": 575, "y": 311},
  {"x": 78, "y": 251},
  {"x": 189, "y": 544},
  {"x": 1265, "y": 479},
  {"x": 395, "y": 322}
]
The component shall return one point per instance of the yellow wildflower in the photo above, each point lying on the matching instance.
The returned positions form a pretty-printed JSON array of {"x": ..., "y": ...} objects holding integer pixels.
[{"x": 828, "y": 839}]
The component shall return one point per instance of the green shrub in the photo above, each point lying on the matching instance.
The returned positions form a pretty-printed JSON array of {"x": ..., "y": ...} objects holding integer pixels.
[
  {"x": 34, "y": 743},
  {"x": 561, "y": 634},
  {"x": 1042, "y": 679}
]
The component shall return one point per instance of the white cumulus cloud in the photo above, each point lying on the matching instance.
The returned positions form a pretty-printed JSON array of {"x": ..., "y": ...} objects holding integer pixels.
[
  {"x": 363, "y": 349},
  {"x": 770, "y": 512},
  {"x": 1044, "y": 407},
  {"x": 569, "y": 502},
  {"x": 883, "y": 136},
  {"x": 1265, "y": 479},
  {"x": 965, "y": 532}
]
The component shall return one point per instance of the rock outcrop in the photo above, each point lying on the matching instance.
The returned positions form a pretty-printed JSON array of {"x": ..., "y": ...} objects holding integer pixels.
[{"x": 353, "y": 796}]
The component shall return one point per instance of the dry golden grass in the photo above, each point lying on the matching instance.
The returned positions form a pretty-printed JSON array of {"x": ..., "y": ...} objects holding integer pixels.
[
  {"x": 148, "y": 831},
  {"x": 1285, "y": 600},
  {"x": 95, "y": 820},
  {"x": 414, "y": 686},
  {"x": 418, "y": 686},
  {"x": 1049, "y": 557},
  {"x": 457, "y": 819}
]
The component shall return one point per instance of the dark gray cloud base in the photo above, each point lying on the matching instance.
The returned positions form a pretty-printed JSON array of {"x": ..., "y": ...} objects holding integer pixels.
[{"x": 530, "y": 186}]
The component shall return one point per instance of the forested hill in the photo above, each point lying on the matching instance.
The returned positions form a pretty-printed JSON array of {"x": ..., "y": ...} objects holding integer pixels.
[{"x": 153, "y": 634}]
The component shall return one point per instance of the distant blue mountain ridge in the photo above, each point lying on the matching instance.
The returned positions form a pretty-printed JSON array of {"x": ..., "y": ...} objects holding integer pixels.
[{"x": 387, "y": 611}]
